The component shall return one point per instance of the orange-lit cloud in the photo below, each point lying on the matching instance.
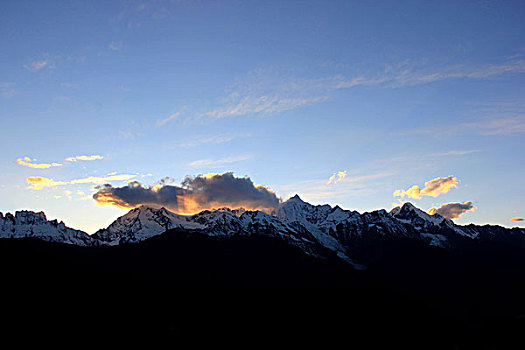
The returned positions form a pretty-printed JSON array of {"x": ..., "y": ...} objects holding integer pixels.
[
  {"x": 196, "y": 193},
  {"x": 38, "y": 182},
  {"x": 452, "y": 210},
  {"x": 432, "y": 188},
  {"x": 26, "y": 161},
  {"x": 516, "y": 219},
  {"x": 337, "y": 177},
  {"x": 93, "y": 157}
]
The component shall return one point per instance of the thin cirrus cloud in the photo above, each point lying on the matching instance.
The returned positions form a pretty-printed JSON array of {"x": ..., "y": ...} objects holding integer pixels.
[
  {"x": 47, "y": 61},
  {"x": 171, "y": 117},
  {"x": 453, "y": 210},
  {"x": 217, "y": 163},
  {"x": 39, "y": 182},
  {"x": 347, "y": 186},
  {"x": 263, "y": 92},
  {"x": 28, "y": 162},
  {"x": 196, "y": 193},
  {"x": 7, "y": 90},
  {"x": 516, "y": 219},
  {"x": 76, "y": 158},
  {"x": 36, "y": 65},
  {"x": 433, "y": 188},
  {"x": 211, "y": 139}
]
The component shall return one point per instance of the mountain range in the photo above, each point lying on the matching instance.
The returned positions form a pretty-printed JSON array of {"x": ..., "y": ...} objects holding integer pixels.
[
  {"x": 319, "y": 230},
  {"x": 379, "y": 279}
]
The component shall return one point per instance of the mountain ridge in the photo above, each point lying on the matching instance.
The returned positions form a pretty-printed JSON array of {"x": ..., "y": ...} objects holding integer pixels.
[{"x": 319, "y": 230}]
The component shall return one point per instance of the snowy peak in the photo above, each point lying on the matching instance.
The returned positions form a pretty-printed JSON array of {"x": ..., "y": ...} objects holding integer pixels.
[
  {"x": 141, "y": 223},
  {"x": 25, "y": 224},
  {"x": 409, "y": 213}
]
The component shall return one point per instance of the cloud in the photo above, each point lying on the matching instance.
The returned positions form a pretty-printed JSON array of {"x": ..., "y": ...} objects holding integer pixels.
[
  {"x": 6, "y": 90},
  {"x": 102, "y": 179},
  {"x": 47, "y": 61},
  {"x": 212, "y": 139},
  {"x": 402, "y": 74},
  {"x": 452, "y": 210},
  {"x": 168, "y": 119},
  {"x": 516, "y": 219},
  {"x": 494, "y": 125},
  {"x": 262, "y": 104},
  {"x": 36, "y": 65},
  {"x": 115, "y": 46},
  {"x": 337, "y": 177},
  {"x": 264, "y": 92},
  {"x": 93, "y": 157},
  {"x": 195, "y": 194},
  {"x": 217, "y": 163},
  {"x": 27, "y": 162},
  {"x": 320, "y": 190},
  {"x": 39, "y": 182},
  {"x": 432, "y": 188}
]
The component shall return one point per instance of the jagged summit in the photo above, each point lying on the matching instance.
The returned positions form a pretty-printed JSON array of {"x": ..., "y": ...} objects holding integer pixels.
[
  {"x": 409, "y": 212},
  {"x": 295, "y": 198},
  {"x": 29, "y": 224}
]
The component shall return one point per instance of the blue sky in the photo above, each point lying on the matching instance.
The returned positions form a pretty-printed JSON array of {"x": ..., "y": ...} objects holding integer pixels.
[{"x": 389, "y": 95}]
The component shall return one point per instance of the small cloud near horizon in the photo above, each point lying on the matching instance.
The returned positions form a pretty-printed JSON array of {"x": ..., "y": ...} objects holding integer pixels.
[{"x": 453, "y": 210}]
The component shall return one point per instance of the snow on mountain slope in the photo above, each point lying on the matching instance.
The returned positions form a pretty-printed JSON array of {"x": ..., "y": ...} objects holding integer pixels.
[
  {"x": 30, "y": 224},
  {"x": 142, "y": 223},
  {"x": 428, "y": 224},
  {"x": 316, "y": 219},
  {"x": 319, "y": 230}
]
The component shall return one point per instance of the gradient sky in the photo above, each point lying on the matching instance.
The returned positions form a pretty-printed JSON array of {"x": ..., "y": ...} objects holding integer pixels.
[{"x": 385, "y": 95}]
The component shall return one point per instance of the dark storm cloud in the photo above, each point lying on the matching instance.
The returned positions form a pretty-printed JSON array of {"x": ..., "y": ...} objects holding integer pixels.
[{"x": 195, "y": 194}]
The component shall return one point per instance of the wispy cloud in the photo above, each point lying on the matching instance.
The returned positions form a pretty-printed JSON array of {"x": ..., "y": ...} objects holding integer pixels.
[
  {"x": 211, "y": 139},
  {"x": 262, "y": 105},
  {"x": 28, "y": 162},
  {"x": 38, "y": 182},
  {"x": 76, "y": 158},
  {"x": 102, "y": 179},
  {"x": 267, "y": 92},
  {"x": 486, "y": 119},
  {"x": 47, "y": 61},
  {"x": 217, "y": 163},
  {"x": 7, "y": 90},
  {"x": 171, "y": 117},
  {"x": 115, "y": 46},
  {"x": 346, "y": 185},
  {"x": 405, "y": 75},
  {"x": 517, "y": 219}
]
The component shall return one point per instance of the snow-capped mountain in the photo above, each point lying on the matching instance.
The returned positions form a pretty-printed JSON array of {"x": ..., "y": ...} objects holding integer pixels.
[
  {"x": 30, "y": 224},
  {"x": 142, "y": 223},
  {"x": 319, "y": 230}
]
